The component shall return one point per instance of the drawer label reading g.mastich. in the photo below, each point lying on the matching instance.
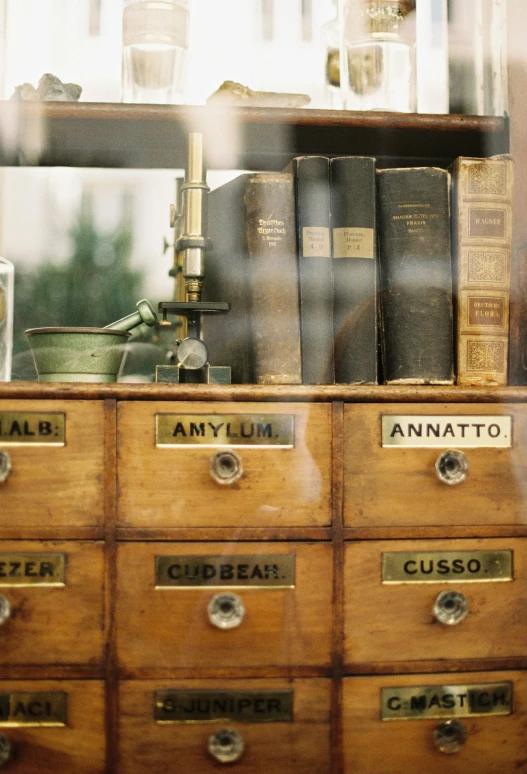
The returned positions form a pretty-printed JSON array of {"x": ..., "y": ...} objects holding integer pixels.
[
  {"x": 416, "y": 431},
  {"x": 258, "y": 570},
  {"x": 234, "y": 430},
  {"x": 445, "y": 701}
]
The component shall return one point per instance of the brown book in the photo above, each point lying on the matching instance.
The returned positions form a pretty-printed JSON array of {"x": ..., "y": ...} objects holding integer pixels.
[{"x": 481, "y": 239}]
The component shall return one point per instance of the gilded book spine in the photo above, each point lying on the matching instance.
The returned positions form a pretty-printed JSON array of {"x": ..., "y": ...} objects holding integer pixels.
[{"x": 482, "y": 236}]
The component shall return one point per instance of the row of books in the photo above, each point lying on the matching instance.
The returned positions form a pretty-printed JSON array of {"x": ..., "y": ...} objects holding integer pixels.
[{"x": 339, "y": 272}]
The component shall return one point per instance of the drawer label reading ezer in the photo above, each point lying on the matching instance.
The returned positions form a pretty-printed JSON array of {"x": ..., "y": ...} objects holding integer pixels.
[
  {"x": 32, "y": 569},
  {"x": 445, "y": 566},
  {"x": 209, "y": 706},
  {"x": 425, "y": 432},
  {"x": 234, "y": 430},
  {"x": 445, "y": 701},
  {"x": 48, "y": 708},
  {"x": 26, "y": 428},
  {"x": 260, "y": 570}
]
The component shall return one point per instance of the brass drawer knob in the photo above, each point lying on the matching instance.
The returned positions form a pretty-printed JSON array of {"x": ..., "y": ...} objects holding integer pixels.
[
  {"x": 451, "y": 467},
  {"x": 450, "y": 736},
  {"x": 6, "y": 750},
  {"x": 226, "y": 745},
  {"x": 226, "y": 611},
  {"x": 450, "y": 607},
  {"x": 5, "y": 465},
  {"x": 226, "y": 467}
]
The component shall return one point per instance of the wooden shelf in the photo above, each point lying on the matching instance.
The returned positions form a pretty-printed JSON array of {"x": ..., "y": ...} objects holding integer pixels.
[{"x": 93, "y": 134}]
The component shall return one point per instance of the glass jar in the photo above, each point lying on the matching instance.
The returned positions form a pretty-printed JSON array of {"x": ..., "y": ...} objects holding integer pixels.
[{"x": 7, "y": 281}]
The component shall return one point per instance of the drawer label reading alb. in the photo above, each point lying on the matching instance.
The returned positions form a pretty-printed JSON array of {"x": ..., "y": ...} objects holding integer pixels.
[
  {"x": 47, "y": 708},
  {"x": 446, "y": 701},
  {"x": 21, "y": 428},
  {"x": 234, "y": 430},
  {"x": 462, "y": 432},
  {"x": 32, "y": 569},
  {"x": 445, "y": 566},
  {"x": 208, "y": 706},
  {"x": 260, "y": 570}
]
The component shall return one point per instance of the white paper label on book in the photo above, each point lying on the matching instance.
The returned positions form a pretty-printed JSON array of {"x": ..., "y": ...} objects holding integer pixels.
[
  {"x": 472, "y": 431},
  {"x": 316, "y": 242},
  {"x": 353, "y": 243}
]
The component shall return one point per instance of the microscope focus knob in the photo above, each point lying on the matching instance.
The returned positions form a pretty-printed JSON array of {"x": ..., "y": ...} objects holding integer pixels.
[{"x": 192, "y": 353}]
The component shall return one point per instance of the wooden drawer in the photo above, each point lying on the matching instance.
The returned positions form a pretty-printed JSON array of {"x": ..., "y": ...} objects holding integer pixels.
[
  {"x": 391, "y": 486},
  {"x": 288, "y": 747},
  {"x": 55, "y": 593},
  {"x": 52, "y": 486},
  {"x": 172, "y": 486},
  {"x": 393, "y": 620},
  {"x": 170, "y": 627},
  {"x": 495, "y": 744},
  {"x": 78, "y": 746}
]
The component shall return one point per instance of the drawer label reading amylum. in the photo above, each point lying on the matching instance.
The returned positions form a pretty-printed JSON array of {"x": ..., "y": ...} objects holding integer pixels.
[
  {"x": 234, "y": 430},
  {"x": 32, "y": 569},
  {"x": 440, "y": 701},
  {"x": 445, "y": 566},
  {"x": 224, "y": 571},
  {"x": 48, "y": 708},
  {"x": 21, "y": 428},
  {"x": 207, "y": 706},
  {"x": 462, "y": 432}
]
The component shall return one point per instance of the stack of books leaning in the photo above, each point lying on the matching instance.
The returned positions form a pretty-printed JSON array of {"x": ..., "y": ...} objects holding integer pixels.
[{"x": 339, "y": 272}]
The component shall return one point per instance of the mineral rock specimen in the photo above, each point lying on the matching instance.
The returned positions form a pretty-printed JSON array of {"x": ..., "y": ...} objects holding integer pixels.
[
  {"x": 232, "y": 93},
  {"x": 49, "y": 89}
]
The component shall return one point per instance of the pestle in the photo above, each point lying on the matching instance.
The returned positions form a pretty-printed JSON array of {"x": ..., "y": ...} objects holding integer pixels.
[{"x": 145, "y": 314}]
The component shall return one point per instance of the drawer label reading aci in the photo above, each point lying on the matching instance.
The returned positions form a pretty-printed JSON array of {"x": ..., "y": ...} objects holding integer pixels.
[
  {"x": 261, "y": 570},
  {"x": 463, "y": 432},
  {"x": 440, "y": 701},
  {"x": 32, "y": 569},
  {"x": 47, "y": 708},
  {"x": 234, "y": 430},
  {"x": 445, "y": 566},
  {"x": 23, "y": 428},
  {"x": 208, "y": 706}
]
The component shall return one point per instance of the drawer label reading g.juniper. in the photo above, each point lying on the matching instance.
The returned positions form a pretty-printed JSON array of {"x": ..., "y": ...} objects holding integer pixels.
[
  {"x": 260, "y": 570},
  {"x": 445, "y": 566},
  {"x": 445, "y": 701},
  {"x": 234, "y": 430},
  {"x": 22, "y": 428},
  {"x": 209, "y": 706},
  {"x": 416, "y": 431}
]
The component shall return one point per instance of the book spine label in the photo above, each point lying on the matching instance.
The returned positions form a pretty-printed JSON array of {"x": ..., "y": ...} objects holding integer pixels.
[{"x": 482, "y": 236}]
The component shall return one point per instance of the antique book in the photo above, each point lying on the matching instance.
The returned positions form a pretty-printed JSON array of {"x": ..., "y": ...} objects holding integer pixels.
[
  {"x": 353, "y": 220},
  {"x": 481, "y": 240},
  {"x": 253, "y": 266},
  {"x": 315, "y": 274},
  {"x": 416, "y": 276}
]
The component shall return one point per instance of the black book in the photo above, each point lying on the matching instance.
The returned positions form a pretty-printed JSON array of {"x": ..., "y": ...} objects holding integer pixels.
[
  {"x": 416, "y": 276},
  {"x": 352, "y": 184}
]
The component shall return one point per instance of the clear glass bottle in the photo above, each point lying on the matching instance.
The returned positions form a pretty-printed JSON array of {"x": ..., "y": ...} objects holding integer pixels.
[
  {"x": 155, "y": 47},
  {"x": 378, "y": 37},
  {"x": 7, "y": 283},
  {"x": 331, "y": 44}
]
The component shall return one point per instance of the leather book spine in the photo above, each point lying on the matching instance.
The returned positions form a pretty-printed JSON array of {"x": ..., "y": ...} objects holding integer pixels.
[
  {"x": 273, "y": 277},
  {"x": 482, "y": 240},
  {"x": 315, "y": 274},
  {"x": 355, "y": 269},
  {"x": 416, "y": 276}
]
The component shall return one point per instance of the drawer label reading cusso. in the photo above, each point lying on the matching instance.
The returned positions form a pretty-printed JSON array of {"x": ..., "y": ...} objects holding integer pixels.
[
  {"x": 234, "y": 430},
  {"x": 32, "y": 569},
  {"x": 462, "y": 432},
  {"x": 47, "y": 708},
  {"x": 21, "y": 428},
  {"x": 445, "y": 701},
  {"x": 261, "y": 571},
  {"x": 446, "y": 566},
  {"x": 209, "y": 706}
]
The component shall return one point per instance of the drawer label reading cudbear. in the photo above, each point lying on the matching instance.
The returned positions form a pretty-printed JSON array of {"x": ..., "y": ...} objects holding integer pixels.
[
  {"x": 22, "y": 428},
  {"x": 48, "y": 708},
  {"x": 262, "y": 571},
  {"x": 209, "y": 706},
  {"x": 234, "y": 430},
  {"x": 440, "y": 701},
  {"x": 32, "y": 569},
  {"x": 445, "y": 566},
  {"x": 464, "y": 432}
]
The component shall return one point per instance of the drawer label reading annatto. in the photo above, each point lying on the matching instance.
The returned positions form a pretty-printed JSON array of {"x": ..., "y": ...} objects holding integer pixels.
[
  {"x": 48, "y": 708},
  {"x": 445, "y": 701},
  {"x": 21, "y": 428},
  {"x": 445, "y": 566},
  {"x": 260, "y": 570},
  {"x": 209, "y": 706},
  {"x": 32, "y": 569},
  {"x": 234, "y": 430},
  {"x": 462, "y": 432}
]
